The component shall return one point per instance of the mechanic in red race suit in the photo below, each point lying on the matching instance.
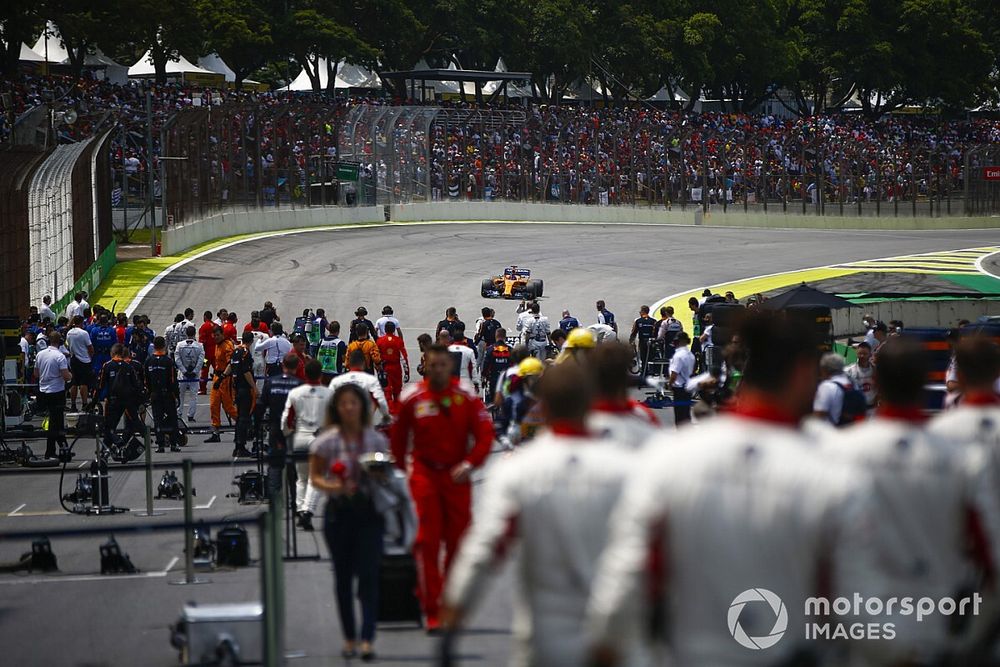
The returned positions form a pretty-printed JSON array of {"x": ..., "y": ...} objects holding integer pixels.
[
  {"x": 395, "y": 364},
  {"x": 207, "y": 340},
  {"x": 438, "y": 419}
]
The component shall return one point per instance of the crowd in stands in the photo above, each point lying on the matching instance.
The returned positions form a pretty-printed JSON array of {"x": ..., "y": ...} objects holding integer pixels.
[{"x": 632, "y": 154}]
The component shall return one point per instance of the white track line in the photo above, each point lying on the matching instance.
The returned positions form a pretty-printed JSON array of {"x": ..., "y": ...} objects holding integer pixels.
[
  {"x": 19, "y": 508},
  {"x": 91, "y": 577},
  {"x": 206, "y": 506}
]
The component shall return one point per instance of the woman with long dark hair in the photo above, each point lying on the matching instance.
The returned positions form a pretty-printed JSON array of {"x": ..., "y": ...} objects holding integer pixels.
[{"x": 352, "y": 526}]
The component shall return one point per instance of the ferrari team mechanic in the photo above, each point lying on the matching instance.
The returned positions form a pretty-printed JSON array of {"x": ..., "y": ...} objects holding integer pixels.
[
  {"x": 554, "y": 498},
  {"x": 758, "y": 487},
  {"x": 395, "y": 363},
  {"x": 207, "y": 339},
  {"x": 302, "y": 419},
  {"x": 273, "y": 398},
  {"x": 438, "y": 418}
]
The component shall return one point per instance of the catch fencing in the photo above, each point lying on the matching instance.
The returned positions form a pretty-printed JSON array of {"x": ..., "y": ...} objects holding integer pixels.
[
  {"x": 299, "y": 155},
  {"x": 57, "y": 221}
]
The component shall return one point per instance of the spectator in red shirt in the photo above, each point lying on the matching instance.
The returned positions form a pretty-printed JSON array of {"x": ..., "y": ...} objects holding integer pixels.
[
  {"x": 207, "y": 340},
  {"x": 436, "y": 421}
]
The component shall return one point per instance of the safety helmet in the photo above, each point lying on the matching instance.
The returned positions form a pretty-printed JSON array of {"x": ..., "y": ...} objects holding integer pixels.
[
  {"x": 530, "y": 366},
  {"x": 580, "y": 338}
]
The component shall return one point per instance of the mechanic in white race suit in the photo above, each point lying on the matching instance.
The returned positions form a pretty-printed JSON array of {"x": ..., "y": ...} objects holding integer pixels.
[
  {"x": 917, "y": 530},
  {"x": 615, "y": 416},
  {"x": 189, "y": 356},
  {"x": 302, "y": 419},
  {"x": 357, "y": 375},
  {"x": 552, "y": 498},
  {"x": 711, "y": 515},
  {"x": 536, "y": 332},
  {"x": 974, "y": 424}
]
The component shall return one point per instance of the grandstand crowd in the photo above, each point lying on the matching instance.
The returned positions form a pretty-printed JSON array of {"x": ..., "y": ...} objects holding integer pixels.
[{"x": 636, "y": 153}]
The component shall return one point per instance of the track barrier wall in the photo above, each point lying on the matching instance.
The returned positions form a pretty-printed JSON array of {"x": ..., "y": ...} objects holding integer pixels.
[{"x": 938, "y": 313}]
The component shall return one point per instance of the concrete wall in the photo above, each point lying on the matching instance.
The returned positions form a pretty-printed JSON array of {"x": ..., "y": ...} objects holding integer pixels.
[
  {"x": 692, "y": 215},
  {"x": 915, "y": 314},
  {"x": 183, "y": 237}
]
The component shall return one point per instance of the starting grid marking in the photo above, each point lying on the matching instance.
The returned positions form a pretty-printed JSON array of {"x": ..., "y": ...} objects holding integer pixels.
[
  {"x": 159, "y": 574},
  {"x": 963, "y": 262},
  {"x": 18, "y": 513}
]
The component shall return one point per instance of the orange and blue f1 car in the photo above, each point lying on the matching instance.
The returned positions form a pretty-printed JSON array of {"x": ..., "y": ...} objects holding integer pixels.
[{"x": 514, "y": 283}]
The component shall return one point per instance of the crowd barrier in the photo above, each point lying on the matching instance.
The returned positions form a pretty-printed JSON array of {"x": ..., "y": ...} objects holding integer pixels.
[{"x": 939, "y": 313}]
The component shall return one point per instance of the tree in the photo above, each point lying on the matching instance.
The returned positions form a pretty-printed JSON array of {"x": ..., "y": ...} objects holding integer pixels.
[
  {"x": 80, "y": 24},
  {"x": 165, "y": 29},
  {"x": 311, "y": 32},
  {"x": 240, "y": 32},
  {"x": 19, "y": 22}
]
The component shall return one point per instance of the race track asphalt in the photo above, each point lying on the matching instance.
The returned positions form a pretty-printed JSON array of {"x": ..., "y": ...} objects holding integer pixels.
[{"x": 74, "y": 619}]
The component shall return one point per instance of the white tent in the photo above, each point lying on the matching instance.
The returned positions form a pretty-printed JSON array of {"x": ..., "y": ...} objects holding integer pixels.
[
  {"x": 144, "y": 69},
  {"x": 214, "y": 63},
  {"x": 348, "y": 76},
  {"x": 514, "y": 90},
  {"x": 50, "y": 43},
  {"x": 29, "y": 56},
  {"x": 663, "y": 96}
]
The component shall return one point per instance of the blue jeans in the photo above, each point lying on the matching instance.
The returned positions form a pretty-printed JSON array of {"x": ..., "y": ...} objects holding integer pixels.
[{"x": 353, "y": 532}]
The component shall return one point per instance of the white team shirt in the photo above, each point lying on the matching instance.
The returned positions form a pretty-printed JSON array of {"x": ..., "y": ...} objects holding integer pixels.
[
  {"x": 830, "y": 396},
  {"x": 864, "y": 380},
  {"x": 382, "y": 321},
  {"x": 274, "y": 349},
  {"x": 78, "y": 340},
  {"x": 367, "y": 382},
  {"x": 537, "y": 330},
  {"x": 189, "y": 353},
  {"x": 50, "y": 363},
  {"x": 468, "y": 369},
  {"x": 682, "y": 363},
  {"x": 307, "y": 404}
]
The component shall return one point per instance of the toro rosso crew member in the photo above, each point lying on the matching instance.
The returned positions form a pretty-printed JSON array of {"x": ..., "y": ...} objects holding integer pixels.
[
  {"x": 240, "y": 371},
  {"x": 161, "y": 379},
  {"x": 759, "y": 485},
  {"x": 553, "y": 498},
  {"x": 437, "y": 421}
]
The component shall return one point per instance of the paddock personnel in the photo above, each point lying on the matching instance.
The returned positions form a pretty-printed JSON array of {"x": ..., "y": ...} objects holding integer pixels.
[
  {"x": 189, "y": 357},
  {"x": 164, "y": 394},
  {"x": 437, "y": 420},
  {"x": 741, "y": 503},
  {"x": 273, "y": 397},
  {"x": 553, "y": 499},
  {"x": 52, "y": 373}
]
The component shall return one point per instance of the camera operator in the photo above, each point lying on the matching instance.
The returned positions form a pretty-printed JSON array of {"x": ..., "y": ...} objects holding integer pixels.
[
  {"x": 122, "y": 386},
  {"x": 273, "y": 397},
  {"x": 161, "y": 377},
  {"x": 189, "y": 358},
  {"x": 241, "y": 371},
  {"x": 52, "y": 373}
]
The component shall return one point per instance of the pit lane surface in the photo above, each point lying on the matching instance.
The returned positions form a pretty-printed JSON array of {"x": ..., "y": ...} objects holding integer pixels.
[{"x": 74, "y": 619}]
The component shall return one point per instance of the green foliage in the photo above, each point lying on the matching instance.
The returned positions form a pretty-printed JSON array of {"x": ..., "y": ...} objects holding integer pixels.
[{"x": 821, "y": 53}]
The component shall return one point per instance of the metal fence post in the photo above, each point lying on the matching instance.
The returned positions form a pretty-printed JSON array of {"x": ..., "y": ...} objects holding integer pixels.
[{"x": 189, "y": 577}]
